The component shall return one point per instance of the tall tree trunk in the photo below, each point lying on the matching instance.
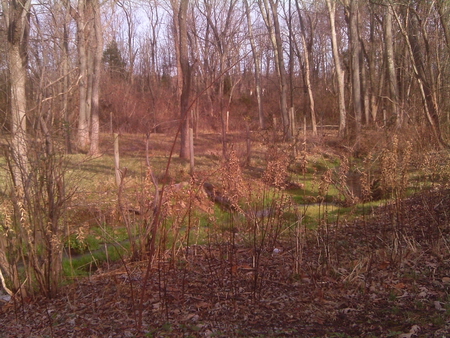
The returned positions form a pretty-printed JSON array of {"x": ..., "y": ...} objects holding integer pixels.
[
  {"x": 257, "y": 61},
  {"x": 128, "y": 11},
  {"x": 65, "y": 74},
  {"x": 390, "y": 62},
  {"x": 365, "y": 87},
  {"x": 331, "y": 5},
  {"x": 221, "y": 29},
  {"x": 279, "y": 59},
  {"x": 83, "y": 113},
  {"x": 270, "y": 16},
  {"x": 17, "y": 25},
  {"x": 307, "y": 56},
  {"x": 355, "y": 50},
  {"x": 186, "y": 79},
  {"x": 98, "y": 54}
]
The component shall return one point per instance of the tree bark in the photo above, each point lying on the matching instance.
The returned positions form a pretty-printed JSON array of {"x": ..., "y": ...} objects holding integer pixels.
[
  {"x": 98, "y": 54},
  {"x": 355, "y": 50},
  {"x": 83, "y": 113},
  {"x": 442, "y": 8},
  {"x": 185, "y": 77},
  {"x": 331, "y": 5},
  {"x": 390, "y": 62},
  {"x": 17, "y": 25},
  {"x": 306, "y": 57},
  {"x": 65, "y": 74}
]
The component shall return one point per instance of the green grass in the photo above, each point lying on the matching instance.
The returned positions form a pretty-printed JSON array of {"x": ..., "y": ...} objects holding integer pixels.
[{"x": 88, "y": 262}]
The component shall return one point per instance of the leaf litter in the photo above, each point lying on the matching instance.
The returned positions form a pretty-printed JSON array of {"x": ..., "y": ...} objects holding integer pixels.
[{"x": 375, "y": 277}]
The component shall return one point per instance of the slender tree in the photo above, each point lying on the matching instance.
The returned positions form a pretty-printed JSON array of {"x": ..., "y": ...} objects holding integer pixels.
[
  {"x": 180, "y": 31},
  {"x": 16, "y": 13},
  {"x": 352, "y": 8},
  {"x": 257, "y": 65},
  {"x": 390, "y": 63},
  {"x": 97, "y": 59},
  {"x": 82, "y": 43},
  {"x": 410, "y": 28},
  {"x": 270, "y": 16},
  {"x": 307, "y": 56},
  {"x": 340, "y": 75}
]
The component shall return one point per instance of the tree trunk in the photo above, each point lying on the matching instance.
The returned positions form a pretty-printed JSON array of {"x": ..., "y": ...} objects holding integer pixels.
[
  {"x": 355, "y": 48},
  {"x": 273, "y": 26},
  {"x": 65, "y": 74},
  {"x": 331, "y": 5},
  {"x": 257, "y": 61},
  {"x": 307, "y": 56},
  {"x": 442, "y": 8},
  {"x": 390, "y": 61},
  {"x": 83, "y": 113},
  {"x": 279, "y": 60},
  {"x": 415, "y": 51},
  {"x": 186, "y": 79},
  {"x": 98, "y": 54},
  {"x": 17, "y": 22}
]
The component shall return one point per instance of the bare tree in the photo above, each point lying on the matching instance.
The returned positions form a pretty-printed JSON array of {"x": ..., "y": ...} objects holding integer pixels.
[
  {"x": 186, "y": 78},
  {"x": 390, "y": 63},
  {"x": 270, "y": 16},
  {"x": 307, "y": 56},
  {"x": 180, "y": 32},
  {"x": 127, "y": 8},
  {"x": 97, "y": 59},
  {"x": 16, "y": 14},
  {"x": 223, "y": 23},
  {"x": 257, "y": 64},
  {"x": 331, "y": 5},
  {"x": 352, "y": 8},
  {"x": 82, "y": 44},
  {"x": 410, "y": 27},
  {"x": 65, "y": 74}
]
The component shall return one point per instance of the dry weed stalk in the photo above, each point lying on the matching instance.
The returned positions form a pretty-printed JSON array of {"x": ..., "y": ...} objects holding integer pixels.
[
  {"x": 369, "y": 186},
  {"x": 300, "y": 236},
  {"x": 341, "y": 181},
  {"x": 232, "y": 180},
  {"x": 394, "y": 169},
  {"x": 34, "y": 236},
  {"x": 324, "y": 185},
  {"x": 394, "y": 164},
  {"x": 276, "y": 173}
]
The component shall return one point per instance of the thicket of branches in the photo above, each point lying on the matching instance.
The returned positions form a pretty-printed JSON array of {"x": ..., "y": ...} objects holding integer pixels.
[{"x": 255, "y": 59}]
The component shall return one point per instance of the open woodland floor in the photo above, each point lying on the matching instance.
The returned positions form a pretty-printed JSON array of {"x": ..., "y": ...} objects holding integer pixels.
[{"x": 384, "y": 272}]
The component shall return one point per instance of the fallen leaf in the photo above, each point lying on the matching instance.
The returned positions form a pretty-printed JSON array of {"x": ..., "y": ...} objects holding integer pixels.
[
  {"x": 438, "y": 306},
  {"x": 446, "y": 280},
  {"x": 415, "y": 329},
  {"x": 400, "y": 286}
]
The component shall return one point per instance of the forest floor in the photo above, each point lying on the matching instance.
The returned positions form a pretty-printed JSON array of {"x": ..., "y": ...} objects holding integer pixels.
[{"x": 386, "y": 274}]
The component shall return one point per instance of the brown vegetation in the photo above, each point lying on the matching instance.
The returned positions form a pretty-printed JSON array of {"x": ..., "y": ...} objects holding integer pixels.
[{"x": 262, "y": 271}]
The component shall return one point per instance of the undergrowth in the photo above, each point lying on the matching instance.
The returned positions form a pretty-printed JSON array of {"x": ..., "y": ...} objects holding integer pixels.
[{"x": 164, "y": 216}]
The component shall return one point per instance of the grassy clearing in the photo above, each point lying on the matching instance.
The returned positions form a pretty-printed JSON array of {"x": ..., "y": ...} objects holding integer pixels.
[
  {"x": 315, "y": 238},
  {"x": 321, "y": 186},
  {"x": 319, "y": 194}
]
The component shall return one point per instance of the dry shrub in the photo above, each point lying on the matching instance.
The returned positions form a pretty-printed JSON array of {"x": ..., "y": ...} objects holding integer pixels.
[
  {"x": 232, "y": 180},
  {"x": 276, "y": 173},
  {"x": 34, "y": 224},
  {"x": 394, "y": 166}
]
